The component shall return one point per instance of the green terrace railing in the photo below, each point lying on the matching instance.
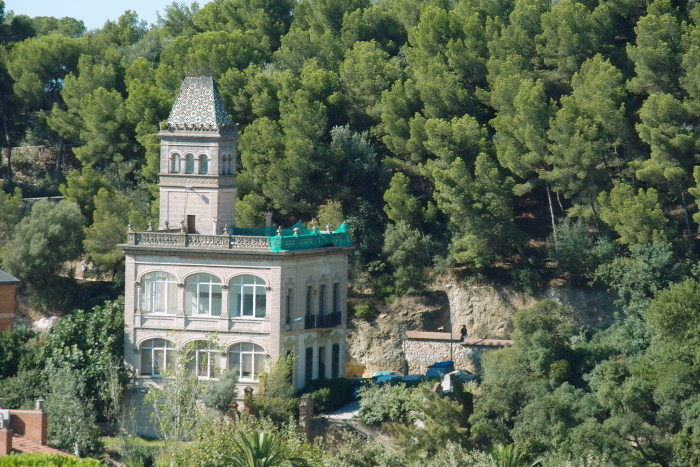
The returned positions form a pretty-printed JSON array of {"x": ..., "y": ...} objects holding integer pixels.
[
  {"x": 296, "y": 237},
  {"x": 311, "y": 239}
]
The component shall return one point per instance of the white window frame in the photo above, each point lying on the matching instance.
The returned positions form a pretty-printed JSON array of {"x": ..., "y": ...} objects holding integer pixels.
[
  {"x": 152, "y": 348},
  {"x": 203, "y": 352},
  {"x": 175, "y": 164},
  {"x": 200, "y": 289},
  {"x": 189, "y": 164},
  {"x": 203, "y": 164},
  {"x": 158, "y": 287},
  {"x": 242, "y": 354},
  {"x": 247, "y": 287}
]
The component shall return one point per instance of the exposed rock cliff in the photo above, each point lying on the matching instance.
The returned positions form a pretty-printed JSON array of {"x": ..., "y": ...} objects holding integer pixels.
[{"x": 486, "y": 310}]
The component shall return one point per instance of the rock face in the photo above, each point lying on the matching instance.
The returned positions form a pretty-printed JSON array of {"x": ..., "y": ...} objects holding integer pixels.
[{"x": 486, "y": 310}]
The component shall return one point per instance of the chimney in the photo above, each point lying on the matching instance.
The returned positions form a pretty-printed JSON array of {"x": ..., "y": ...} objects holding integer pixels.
[
  {"x": 5, "y": 440},
  {"x": 5, "y": 433},
  {"x": 30, "y": 424},
  {"x": 268, "y": 218}
]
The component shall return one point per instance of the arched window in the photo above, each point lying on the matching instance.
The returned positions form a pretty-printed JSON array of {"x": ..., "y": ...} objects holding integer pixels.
[
  {"x": 248, "y": 297},
  {"x": 175, "y": 164},
  {"x": 203, "y": 164},
  {"x": 202, "y": 360},
  {"x": 224, "y": 164},
  {"x": 189, "y": 164},
  {"x": 157, "y": 357},
  {"x": 203, "y": 295},
  {"x": 247, "y": 360},
  {"x": 227, "y": 168},
  {"x": 158, "y": 293}
]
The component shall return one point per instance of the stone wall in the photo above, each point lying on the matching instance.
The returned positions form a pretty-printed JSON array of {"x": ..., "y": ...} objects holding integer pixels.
[{"x": 420, "y": 354}]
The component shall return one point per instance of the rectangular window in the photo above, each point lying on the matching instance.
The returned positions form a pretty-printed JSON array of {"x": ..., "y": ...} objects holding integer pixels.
[
  {"x": 336, "y": 297},
  {"x": 309, "y": 365},
  {"x": 308, "y": 301},
  {"x": 335, "y": 361},
  {"x": 191, "y": 224},
  {"x": 321, "y": 363},
  {"x": 289, "y": 306},
  {"x": 322, "y": 300}
]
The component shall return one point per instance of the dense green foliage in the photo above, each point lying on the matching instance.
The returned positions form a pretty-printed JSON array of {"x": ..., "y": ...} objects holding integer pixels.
[
  {"x": 72, "y": 367},
  {"x": 250, "y": 442},
  {"x": 47, "y": 460},
  {"x": 329, "y": 395},
  {"x": 72, "y": 428},
  {"x": 447, "y": 134},
  {"x": 437, "y": 130},
  {"x": 388, "y": 403}
]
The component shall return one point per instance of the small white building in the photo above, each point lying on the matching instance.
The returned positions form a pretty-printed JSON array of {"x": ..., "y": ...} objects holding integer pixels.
[{"x": 242, "y": 297}]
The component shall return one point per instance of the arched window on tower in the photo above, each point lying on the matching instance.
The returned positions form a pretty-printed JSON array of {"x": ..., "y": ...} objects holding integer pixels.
[
  {"x": 175, "y": 164},
  {"x": 203, "y": 164},
  {"x": 224, "y": 164},
  {"x": 189, "y": 164}
]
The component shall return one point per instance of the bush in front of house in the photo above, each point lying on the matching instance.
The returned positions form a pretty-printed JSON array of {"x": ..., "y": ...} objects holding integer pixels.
[
  {"x": 329, "y": 395},
  {"x": 388, "y": 403},
  {"x": 53, "y": 460}
]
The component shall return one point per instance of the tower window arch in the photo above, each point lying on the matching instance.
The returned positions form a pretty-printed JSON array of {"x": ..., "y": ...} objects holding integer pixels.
[
  {"x": 248, "y": 297},
  {"x": 158, "y": 293},
  {"x": 157, "y": 357},
  {"x": 247, "y": 360},
  {"x": 203, "y": 295},
  {"x": 203, "y": 164},
  {"x": 175, "y": 164},
  {"x": 189, "y": 164},
  {"x": 224, "y": 165}
]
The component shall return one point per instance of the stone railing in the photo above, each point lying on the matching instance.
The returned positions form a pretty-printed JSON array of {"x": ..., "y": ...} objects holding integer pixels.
[
  {"x": 295, "y": 241},
  {"x": 198, "y": 241}
]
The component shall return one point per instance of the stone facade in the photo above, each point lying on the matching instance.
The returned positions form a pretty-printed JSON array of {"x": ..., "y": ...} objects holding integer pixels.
[{"x": 231, "y": 299}]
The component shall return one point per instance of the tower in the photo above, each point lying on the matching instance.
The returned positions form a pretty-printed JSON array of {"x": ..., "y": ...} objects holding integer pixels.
[{"x": 197, "y": 161}]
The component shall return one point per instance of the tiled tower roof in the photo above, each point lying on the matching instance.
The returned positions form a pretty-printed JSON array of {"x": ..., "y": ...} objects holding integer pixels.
[{"x": 198, "y": 106}]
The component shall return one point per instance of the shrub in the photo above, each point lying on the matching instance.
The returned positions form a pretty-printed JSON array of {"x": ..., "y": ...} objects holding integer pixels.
[
  {"x": 365, "y": 311},
  {"x": 12, "y": 343},
  {"x": 219, "y": 394},
  {"x": 388, "y": 403},
  {"x": 328, "y": 395},
  {"x": 48, "y": 460}
]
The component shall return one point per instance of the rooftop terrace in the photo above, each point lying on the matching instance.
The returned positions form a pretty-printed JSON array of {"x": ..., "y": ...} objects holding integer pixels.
[{"x": 297, "y": 237}]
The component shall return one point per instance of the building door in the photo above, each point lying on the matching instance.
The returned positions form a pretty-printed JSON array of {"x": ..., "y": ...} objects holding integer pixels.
[
  {"x": 309, "y": 365},
  {"x": 190, "y": 224},
  {"x": 321, "y": 363}
]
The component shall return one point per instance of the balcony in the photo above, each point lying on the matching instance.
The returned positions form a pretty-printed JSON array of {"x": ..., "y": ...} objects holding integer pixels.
[
  {"x": 329, "y": 321},
  {"x": 310, "y": 322}
]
